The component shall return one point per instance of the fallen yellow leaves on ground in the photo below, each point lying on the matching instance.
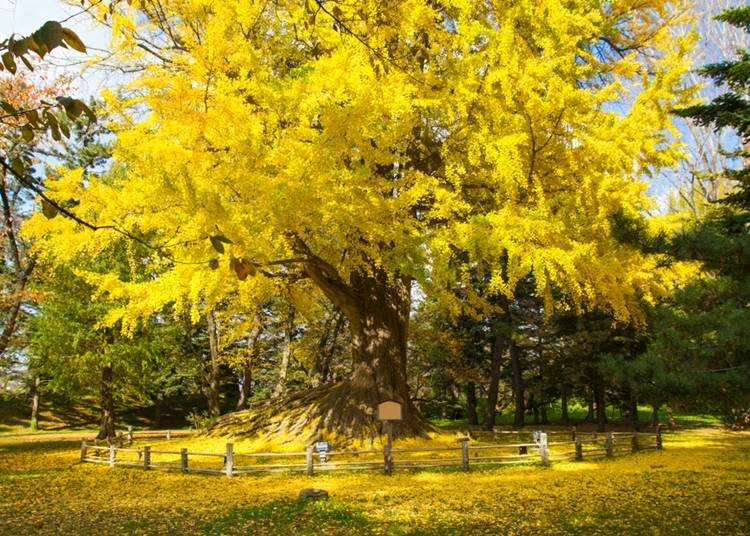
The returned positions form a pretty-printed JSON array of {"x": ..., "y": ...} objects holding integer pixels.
[{"x": 699, "y": 484}]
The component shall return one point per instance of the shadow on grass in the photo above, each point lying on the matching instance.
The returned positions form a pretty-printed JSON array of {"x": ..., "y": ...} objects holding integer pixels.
[{"x": 292, "y": 517}]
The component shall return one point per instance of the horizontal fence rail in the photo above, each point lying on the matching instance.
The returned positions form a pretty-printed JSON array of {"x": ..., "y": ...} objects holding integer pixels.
[{"x": 464, "y": 455}]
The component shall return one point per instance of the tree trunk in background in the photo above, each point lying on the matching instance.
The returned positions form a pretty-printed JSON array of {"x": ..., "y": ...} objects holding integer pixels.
[
  {"x": 327, "y": 348},
  {"x": 590, "y": 413},
  {"x": 251, "y": 357},
  {"x": 214, "y": 371},
  {"x": 601, "y": 416},
  {"x": 634, "y": 413},
  {"x": 34, "y": 425},
  {"x": 158, "y": 409},
  {"x": 534, "y": 405},
  {"x": 286, "y": 355},
  {"x": 498, "y": 348},
  {"x": 21, "y": 273},
  {"x": 471, "y": 403},
  {"x": 564, "y": 419},
  {"x": 670, "y": 418},
  {"x": 107, "y": 403},
  {"x": 517, "y": 376},
  {"x": 655, "y": 415}
]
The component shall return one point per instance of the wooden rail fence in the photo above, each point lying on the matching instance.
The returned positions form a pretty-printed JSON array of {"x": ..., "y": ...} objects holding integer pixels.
[{"x": 464, "y": 456}]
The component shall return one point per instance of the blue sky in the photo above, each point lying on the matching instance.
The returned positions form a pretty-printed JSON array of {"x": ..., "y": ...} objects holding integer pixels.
[{"x": 25, "y": 16}]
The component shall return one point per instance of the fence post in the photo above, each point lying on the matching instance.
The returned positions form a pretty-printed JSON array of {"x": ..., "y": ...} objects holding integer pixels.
[
  {"x": 146, "y": 458},
  {"x": 543, "y": 449},
  {"x": 169, "y": 435},
  {"x": 388, "y": 450},
  {"x": 465, "y": 455},
  {"x": 111, "y": 455},
  {"x": 130, "y": 435},
  {"x": 230, "y": 459},
  {"x": 634, "y": 443},
  {"x": 573, "y": 429},
  {"x": 609, "y": 444},
  {"x": 658, "y": 437},
  {"x": 83, "y": 450},
  {"x": 309, "y": 461},
  {"x": 183, "y": 460},
  {"x": 579, "y": 449}
]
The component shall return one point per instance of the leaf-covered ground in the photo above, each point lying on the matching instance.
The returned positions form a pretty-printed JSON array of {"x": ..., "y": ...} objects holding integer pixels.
[{"x": 700, "y": 484}]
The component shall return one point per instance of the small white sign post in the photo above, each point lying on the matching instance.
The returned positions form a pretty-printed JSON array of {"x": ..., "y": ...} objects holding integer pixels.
[{"x": 389, "y": 411}]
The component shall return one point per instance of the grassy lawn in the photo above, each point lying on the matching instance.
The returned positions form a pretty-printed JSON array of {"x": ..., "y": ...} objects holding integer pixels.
[{"x": 699, "y": 484}]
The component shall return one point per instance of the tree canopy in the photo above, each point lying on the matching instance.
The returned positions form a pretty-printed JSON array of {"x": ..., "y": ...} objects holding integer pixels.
[{"x": 367, "y": 146}]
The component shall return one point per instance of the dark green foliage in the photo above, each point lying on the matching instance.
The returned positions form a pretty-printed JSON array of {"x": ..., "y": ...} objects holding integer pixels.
[{"x": 701, "y": 350}]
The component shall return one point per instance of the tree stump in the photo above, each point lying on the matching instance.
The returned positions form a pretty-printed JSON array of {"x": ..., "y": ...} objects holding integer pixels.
[{"x": 313, "y": 494}]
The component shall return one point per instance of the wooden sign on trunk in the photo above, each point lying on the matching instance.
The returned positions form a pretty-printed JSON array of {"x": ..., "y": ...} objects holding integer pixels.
[{"x": 390, "y": 410}]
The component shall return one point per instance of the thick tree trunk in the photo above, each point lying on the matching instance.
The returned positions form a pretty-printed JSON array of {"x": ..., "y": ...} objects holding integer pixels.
[
  {"x": 376, "y": 307},
  {"x": 379, "y": 325},
  {"x": 286, "y": 354},
  {"x": 564, "y": 418},
  {"x": 107, "y": 403},
  {"x": 251, "y": 357},
  {"x": 471, "y": 403},
  {"x": 498, "y": 347},
  {"x": 34, "y": 425},
  {"x": 517, "y": 375},
  {"x": 214, "y": 371}
]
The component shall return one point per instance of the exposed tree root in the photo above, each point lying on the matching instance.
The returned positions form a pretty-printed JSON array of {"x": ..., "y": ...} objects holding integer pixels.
[{"x": 332, "y": 409}]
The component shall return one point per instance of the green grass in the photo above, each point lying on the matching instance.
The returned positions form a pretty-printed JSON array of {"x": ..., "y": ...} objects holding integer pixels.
[
  {"x": 577, "y": 415},
  {"x": 699, "y": 483}
]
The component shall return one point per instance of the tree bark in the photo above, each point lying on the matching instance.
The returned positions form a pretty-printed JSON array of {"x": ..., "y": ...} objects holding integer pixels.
[
  {"x": 158, "y": 409},
  {"x": 376, "y": 307},
  {"x": 671, "y": 424},
  {"x": 564, "y": 418},
  {"x": 634, "y": 413},
  {"x": 518, "y": 388},
  {"x": 534, "y": 405},
  {"x": 214, "y": 371},
  {"x": 655, "y": 415},
  {"x": 471, "y": 403},
  {"x": 34, "y": 425},
  {"x": 21, "y": 272},
  {"x": 590, "y": 412},
  {"x": 327, "y": 348},
  {"x": 498, "y": 347},
  {"x": 107, "y": 404},
  {"x": 251, "y": 357},
  {"x": 286, "y": 354},
  {"x": 601, "y": 416}
]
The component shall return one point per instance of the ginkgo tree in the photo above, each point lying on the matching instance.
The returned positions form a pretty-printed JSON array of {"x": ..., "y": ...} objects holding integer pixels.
[{"x": 373, "y": 145}]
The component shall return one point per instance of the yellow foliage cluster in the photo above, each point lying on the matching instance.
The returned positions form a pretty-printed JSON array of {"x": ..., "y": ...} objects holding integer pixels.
[
  {"x": 697, "y": 484},
  {"x": 385, "y": 135}
]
